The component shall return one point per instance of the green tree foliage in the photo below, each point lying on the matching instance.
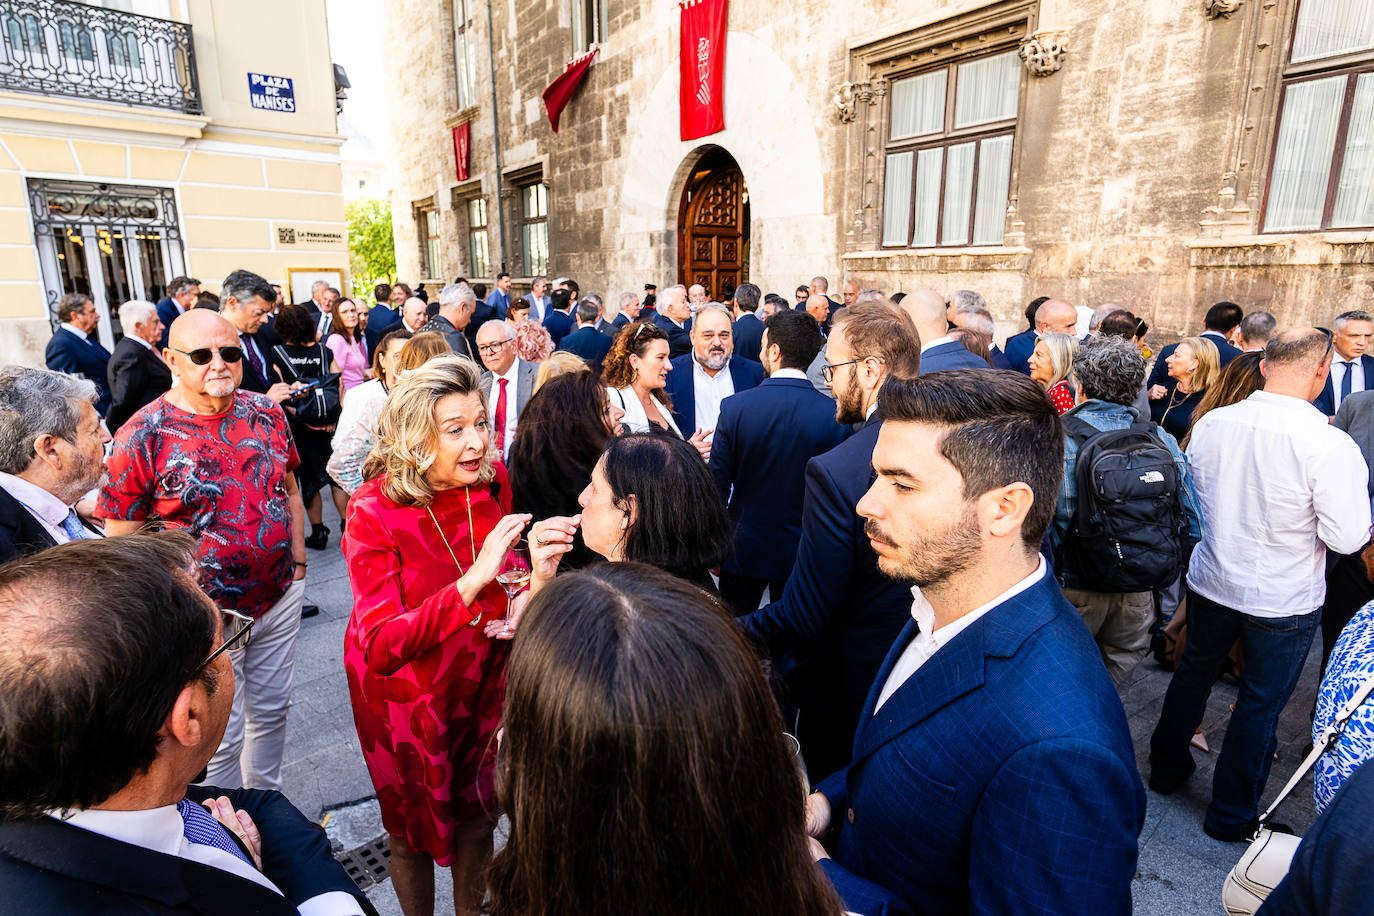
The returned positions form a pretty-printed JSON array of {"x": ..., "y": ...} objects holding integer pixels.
[{"x": 371, "y": 245}]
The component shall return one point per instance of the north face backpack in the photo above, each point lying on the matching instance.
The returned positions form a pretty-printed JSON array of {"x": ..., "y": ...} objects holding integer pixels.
[{"x": 1128, "y": 531}]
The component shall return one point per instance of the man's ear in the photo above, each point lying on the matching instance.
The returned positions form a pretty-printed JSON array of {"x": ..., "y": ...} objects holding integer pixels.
[
  {"x": 45, "y": 449},
  {"x": 183, "y": 723}
]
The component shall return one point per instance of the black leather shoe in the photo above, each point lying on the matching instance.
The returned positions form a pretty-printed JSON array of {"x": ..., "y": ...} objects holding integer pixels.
[
  {"x": 310, "y": 610},
  {"x": 318, "y": 538}
]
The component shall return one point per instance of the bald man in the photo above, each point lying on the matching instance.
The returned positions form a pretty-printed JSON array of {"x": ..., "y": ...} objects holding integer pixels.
[
  {"x": 1054, "y": 316},
  {"x": 939, "y": 351},
  {"x": 218, "y": 461}
]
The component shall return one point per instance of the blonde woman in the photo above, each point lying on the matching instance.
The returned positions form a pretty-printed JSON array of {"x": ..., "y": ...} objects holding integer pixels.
[
  {"x": 560, "y": 362},
  {"x": 1194, "y": 365},
  {"x": 427, "y": 536},
  {"x": 1050, "y": 365}
]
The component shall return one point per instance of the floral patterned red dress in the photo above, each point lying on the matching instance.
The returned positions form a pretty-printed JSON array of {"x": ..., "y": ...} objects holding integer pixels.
[{"x": 426, "y": 687}]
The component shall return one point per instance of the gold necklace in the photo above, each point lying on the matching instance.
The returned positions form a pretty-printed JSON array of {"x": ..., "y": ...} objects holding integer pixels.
[{"x": 472, "y": 543}]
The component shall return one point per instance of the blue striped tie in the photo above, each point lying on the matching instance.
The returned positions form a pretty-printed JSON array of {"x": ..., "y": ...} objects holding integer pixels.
[
  {"x": 72, "y": 525},
  {"x": 201, "y": 828}
]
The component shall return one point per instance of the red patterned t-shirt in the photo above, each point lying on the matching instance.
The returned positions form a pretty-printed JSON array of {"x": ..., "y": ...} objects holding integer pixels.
[{"x": 223, "y": 478}]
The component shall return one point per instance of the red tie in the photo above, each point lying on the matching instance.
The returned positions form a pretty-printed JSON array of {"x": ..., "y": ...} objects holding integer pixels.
[{"x": 501, "y": 418}]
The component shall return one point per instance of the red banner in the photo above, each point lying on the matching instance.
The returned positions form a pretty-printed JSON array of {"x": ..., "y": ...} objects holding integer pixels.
[
  {"x": 561, "y": 90},
  {"x": 702, "y": 67},
  {"x": 461, "y": 150}
]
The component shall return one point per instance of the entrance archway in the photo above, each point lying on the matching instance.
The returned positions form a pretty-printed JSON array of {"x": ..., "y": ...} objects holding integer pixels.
[{"x": 713, "y": 225}]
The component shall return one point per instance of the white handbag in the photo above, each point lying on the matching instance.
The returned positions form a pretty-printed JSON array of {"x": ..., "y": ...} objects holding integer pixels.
[{"x": 1270, "y": 855}]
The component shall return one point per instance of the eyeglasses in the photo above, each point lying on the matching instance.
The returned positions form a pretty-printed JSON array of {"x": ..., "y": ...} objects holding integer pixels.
[
  {"x": 1330, "y": 342},
  {"x": 491, "y": 348},
  {"x": 203, "y": 355},
  {"x": 242, "y": 625},
  {"x": 828, "y": 370}
]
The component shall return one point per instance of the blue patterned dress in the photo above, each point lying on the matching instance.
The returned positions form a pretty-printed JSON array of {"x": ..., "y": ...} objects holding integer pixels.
[{"x": 1352, "y": 661}]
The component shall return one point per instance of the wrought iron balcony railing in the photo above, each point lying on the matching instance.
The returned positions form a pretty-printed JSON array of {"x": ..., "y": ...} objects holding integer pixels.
[{"x": 61, "y": 47}]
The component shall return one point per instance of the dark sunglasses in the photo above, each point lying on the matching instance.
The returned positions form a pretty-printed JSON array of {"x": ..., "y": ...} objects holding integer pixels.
[{"x": 203, "y": 355}]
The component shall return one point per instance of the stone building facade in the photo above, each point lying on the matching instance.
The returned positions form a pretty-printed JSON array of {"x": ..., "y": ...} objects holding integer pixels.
[
  {"x": 1162, "y": 154},
  {"x": 135, "y": 147}
]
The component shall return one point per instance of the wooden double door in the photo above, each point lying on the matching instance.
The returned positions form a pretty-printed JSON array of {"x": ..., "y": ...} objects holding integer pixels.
[{"x": 713, "y": 227}]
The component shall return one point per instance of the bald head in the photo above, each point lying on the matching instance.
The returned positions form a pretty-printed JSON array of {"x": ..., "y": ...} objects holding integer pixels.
[
  {"x": 1055, "y": 316},
  {"x": 927, "y": 310},
  {"x": 1296, "y": 363},
  {"x": 818, "y": 307},
  {"x": 203, "y": 330}
]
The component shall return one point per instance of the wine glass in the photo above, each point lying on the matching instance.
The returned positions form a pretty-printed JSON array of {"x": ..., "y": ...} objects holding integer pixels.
[{"x": 514, "y": 576}]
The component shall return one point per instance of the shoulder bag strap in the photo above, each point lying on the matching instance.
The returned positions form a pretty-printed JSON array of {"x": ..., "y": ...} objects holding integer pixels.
[
  {"x": 1322, "y": 745},
  {"x": 286, "y": 361}
]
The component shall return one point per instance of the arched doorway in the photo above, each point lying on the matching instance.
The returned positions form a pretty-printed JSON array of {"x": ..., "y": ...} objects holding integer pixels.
[{"x": 713, "y": 225}]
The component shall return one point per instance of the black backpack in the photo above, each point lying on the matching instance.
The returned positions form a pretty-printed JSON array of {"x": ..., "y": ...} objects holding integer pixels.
[
  {"x": 1128, "y": 530},
  {"x": 317, "y": 408}
]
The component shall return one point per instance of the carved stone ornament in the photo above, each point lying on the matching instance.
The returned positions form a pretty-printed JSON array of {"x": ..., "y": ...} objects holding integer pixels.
[
  {"x": 1221, "y": 9},
  {"x": 844, "y": 103},
  {"x": 849, "y": 95},
  {"x": 1043, "y": 52}
]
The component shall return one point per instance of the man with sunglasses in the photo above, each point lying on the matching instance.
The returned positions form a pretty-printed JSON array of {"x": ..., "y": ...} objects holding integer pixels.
[
  {"x": 117, "y": 665},
  {"x": 218, "y": 461}
]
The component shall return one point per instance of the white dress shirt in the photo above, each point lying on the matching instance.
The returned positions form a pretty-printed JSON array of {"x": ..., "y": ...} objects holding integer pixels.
[
  {"x": 1277, "y": 485},
  {"x": 493, "y": 393},
  {"x": 708, "y": 392},
  {"x": 160, "y": 829},
  {"x": 636, "y": 419},
  {"x": 77, "y": 331},
  {"x": 1338, "y": 371},
  {"x": 935, "y": 343},
  {"x": 790, "y": 373},
  {"x": 50, "y": 511},
  {"x": 929, "y": 640}
]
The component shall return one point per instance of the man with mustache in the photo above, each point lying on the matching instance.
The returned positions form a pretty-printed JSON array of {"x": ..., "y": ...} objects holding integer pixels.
[
  {"x": 707, "y": 375},
  {"x": 992, "y": 769},
  {"x": 217, "y": 460}
]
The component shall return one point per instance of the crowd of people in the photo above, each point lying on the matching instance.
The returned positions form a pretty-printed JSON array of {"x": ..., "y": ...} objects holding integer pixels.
[{"x": 734, "y": 605}]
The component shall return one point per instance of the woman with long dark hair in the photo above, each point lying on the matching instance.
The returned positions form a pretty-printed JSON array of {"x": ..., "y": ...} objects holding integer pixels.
[
  {"x": 563, "y": 431},
  {"x": 643, "y": 764}
]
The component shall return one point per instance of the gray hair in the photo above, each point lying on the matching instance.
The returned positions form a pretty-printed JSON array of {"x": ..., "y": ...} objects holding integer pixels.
[
  {"x": 673, "y": 287},
  {"x": 821, "y": 283},
  {"x": 711, "y": 307},
  {"x": 506, "y": 327},
  {"x": 1102, "y": 311},
  {"x": 588, "y": 310},
  {"x": 593, "y": 297},
  {"x": 747, "y": 297},
  {"x": 870, "y": 295},
  {"x": 538, "y": 280},
  {"x": 1258, "y": 327},
  {"x": 1345, "y": 318},
  {"x": 37, "y": 402},
  {"x": 966, "y": 300},
  {"x": 136, "y": 311},
  {"x": 1062, "y": 348},
  {"x": 627, "y": 298},
  {"x": 456, "y": 294},
  {"x": 1298, "y": 347},
  {"x": 558, "y": 280},
  {"x": 179, "y": 285},
  {"x": 318, "y": 285},
  {"x": 71, "y": 304},
  {"x": 979, "y": 320},
  {"x": 1109, "y": 369}
]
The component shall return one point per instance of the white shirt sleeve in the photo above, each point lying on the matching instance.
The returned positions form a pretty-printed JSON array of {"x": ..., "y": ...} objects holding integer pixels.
[
  {"x": 1343, "y": 523},
  {"x": 331, "y": 903}
]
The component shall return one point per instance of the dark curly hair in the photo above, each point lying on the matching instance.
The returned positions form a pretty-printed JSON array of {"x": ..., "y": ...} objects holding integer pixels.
[
  {"x": 634, "y": 338},
  {"x": 295, "y": 326}
]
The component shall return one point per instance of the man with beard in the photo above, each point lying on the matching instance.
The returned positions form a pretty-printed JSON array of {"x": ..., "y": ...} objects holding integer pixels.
[
  {"x": 703, "y": 378},
  {"x": 218, "y": 461},
  {"x": 838, "y": 614},
  {"x": 52, "y": 452},
  {"x": 992, "y": 770}
]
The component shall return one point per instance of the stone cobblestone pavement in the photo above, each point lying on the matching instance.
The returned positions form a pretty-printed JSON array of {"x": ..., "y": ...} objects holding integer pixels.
[{"x": 1180, "y": 870}]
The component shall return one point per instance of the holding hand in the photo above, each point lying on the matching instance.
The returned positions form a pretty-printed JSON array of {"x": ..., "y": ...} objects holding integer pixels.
[
  {"x": 238, "y": 823},
  {"x": 549, "y": 540},
  {"x": 701, "y": 441},
  {"x": 1157, "y": 391},
  {"x": 492, "y": 556}
]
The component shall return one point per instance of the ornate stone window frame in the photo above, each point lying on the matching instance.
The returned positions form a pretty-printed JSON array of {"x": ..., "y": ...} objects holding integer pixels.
[{"x": 862, "y": 105}]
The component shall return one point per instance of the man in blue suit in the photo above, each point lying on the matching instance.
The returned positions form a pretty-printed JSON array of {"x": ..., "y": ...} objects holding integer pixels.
[
  {"x": 763, "y": 439},
  {"x": 1220, "y": 320},
  {"x": 182, "y": 293},
  {"x": 538, "y": 299},
  {"x": 838, "y": 615},
  {"x": 499, "y": 298},
  {"x": 380, "y": 317},
  {"x": 630, "y": 310},
  {"x": 748, "y": 329},
  {"x": 939, "y": 351},
  {"x": 1019, "y": 347},
  {"x": 559, "y": 322},
  {"x": 73, "y": 350},
  {"x": 587, "y": 342},
  {"x": 993, "y": 770},
  {"x": 674, "y": 317},
  {"x": 702, "y": 379},
  {"x": 1352, "y": 369}
]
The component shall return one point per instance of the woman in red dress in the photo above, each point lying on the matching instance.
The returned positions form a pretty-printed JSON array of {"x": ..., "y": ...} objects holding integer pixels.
[{"x": 426, "y": 537}]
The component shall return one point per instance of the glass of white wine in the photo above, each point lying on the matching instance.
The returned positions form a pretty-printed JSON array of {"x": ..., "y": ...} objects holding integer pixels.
[{"x": 514, "y": 577}]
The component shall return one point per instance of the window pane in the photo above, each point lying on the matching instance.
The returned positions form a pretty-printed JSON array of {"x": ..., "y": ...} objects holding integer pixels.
[
  {"x": 462, "y": 69},
  {"x": 958, "y": 194},
  {"x": 929, "y": 164},
  {"x": 432, "y": 222},
  {"x": 918, "y": 105},
  {"x": 994, "y": 174},
  {"x": 432, "y": 257},
  {"x": 477, "y": 212},
  {"x": 536, "y": 238},
  {"x": 477, "y": 244},
  {"x": 897, "y": 199},
  {"x": 542, "y": 199},
  {"x": 1302, "y": 157},
  {"x": 985, "y": 90},
  {"x": 1326, "y": 28},
  {"x": 1355, "y": 192}
]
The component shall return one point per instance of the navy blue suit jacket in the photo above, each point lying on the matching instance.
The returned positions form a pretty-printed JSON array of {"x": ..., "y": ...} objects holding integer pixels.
[
  {"x": 47, "y": 866},
  {"x": 588, "y": 343},
  {"x": 679, "y": 338},
  {"x": 619, "y": 321},
  {"x": 69, "y": 353},
  {"x": 1159, "y": 375},
  {"x": 681, "y": 387},
  {"x": 380, "y": 318},
  {"x": 559, "y": 325},
  {"x": 999, "y": 778},
  {"x": 748, "y": 335},
  {"x": 499, "y": 302},
  {"x": 1019, "y": 349},
  {"x": 949, "y": 355},
  {"x": 167, "y": 311},
  {"x": 1326, "y": 401},
  {"x": 764, "y": 438},
  {"x": 838, "y": 614},
  {"x": 999, "y": 359}
]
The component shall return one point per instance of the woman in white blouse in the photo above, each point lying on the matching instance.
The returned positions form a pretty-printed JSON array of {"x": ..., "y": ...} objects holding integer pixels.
[{"x": 636, "y": 372}]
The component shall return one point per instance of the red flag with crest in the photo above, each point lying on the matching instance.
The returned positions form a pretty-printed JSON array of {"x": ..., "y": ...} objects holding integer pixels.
[{"x": 701, "y": 86}]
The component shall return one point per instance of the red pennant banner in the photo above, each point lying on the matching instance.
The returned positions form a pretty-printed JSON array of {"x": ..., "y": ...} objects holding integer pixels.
[
  {"x": 561, "y": 90},
  {"x": 702, "y": 67},
  {"x": 462, "y": 134}
]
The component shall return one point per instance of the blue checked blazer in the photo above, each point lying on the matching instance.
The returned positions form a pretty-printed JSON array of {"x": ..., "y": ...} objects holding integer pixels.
[{"x": 998, "y": 779}]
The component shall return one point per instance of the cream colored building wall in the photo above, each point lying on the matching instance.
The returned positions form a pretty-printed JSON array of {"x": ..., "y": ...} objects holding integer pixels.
[{"x": 239, "y": 173}]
